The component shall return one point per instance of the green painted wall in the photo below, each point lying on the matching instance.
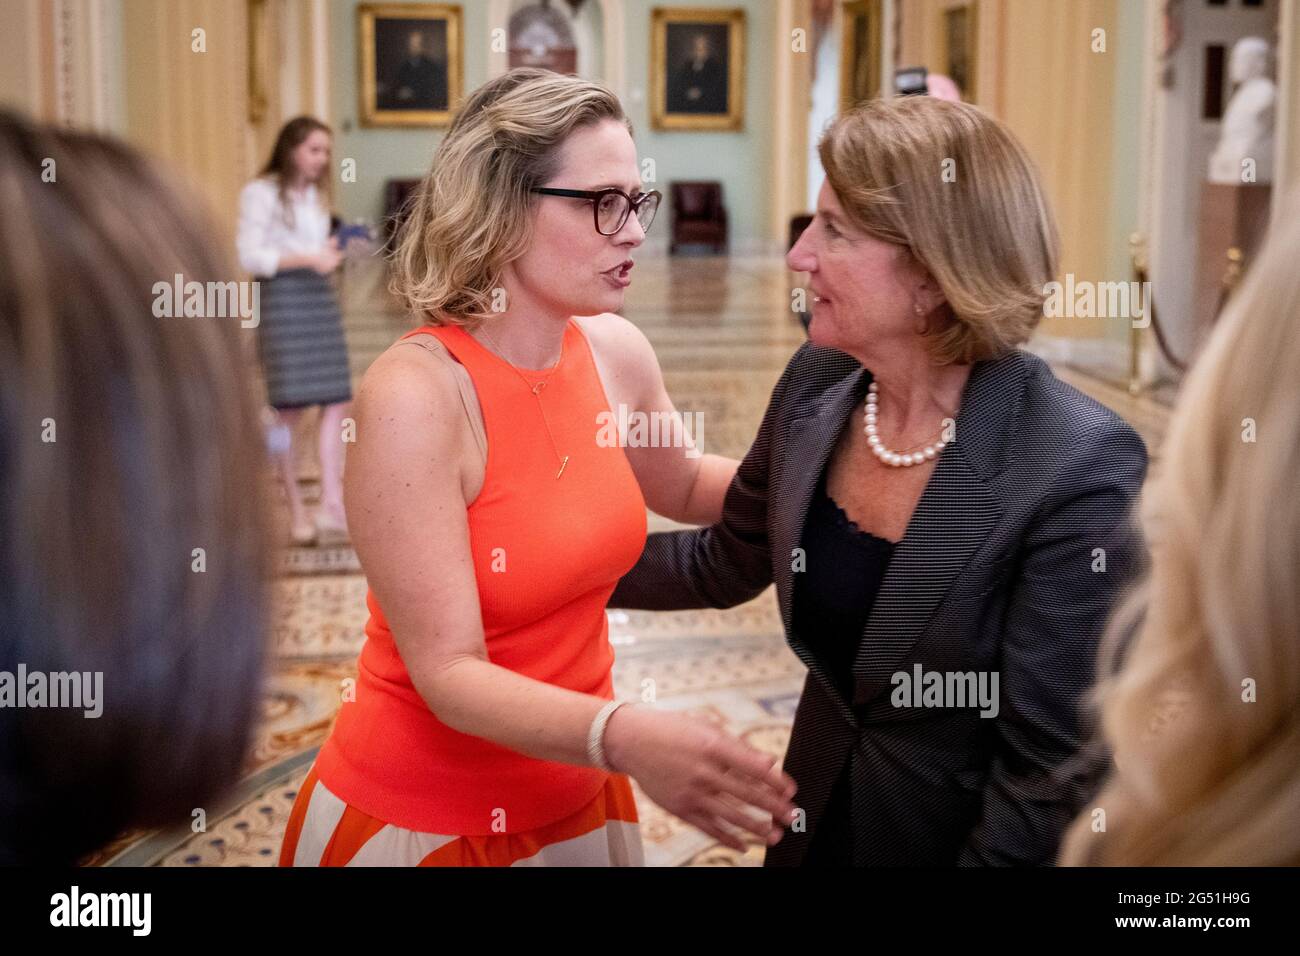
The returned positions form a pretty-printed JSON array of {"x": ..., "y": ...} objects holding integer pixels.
[
  {"x": 740, "y": 160},
  {"x": 383, "y": 153}
]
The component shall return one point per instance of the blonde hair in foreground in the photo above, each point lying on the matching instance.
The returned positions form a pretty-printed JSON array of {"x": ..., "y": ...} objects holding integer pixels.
[
  {"x": 472, "y": 214},
  {"x": 953, "y": 186},
  {"x": 1204, "y": 774}
]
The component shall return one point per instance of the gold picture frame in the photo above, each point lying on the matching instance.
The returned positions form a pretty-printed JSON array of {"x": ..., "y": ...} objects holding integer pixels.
[
  {"x": 418, "y": 86},
  {"x": 960, "y": 41},
  {"x": 861, "y": 47},
  {"x": 693, "y": 99}
]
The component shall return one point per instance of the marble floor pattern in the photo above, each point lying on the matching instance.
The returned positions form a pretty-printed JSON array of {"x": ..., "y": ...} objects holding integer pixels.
[{"x": 723, "y": 331}]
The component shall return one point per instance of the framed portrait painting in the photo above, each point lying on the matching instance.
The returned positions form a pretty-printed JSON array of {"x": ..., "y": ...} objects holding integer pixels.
[
  {"x": 697, "y": 68},
  {"x": 410, "y": 61}
]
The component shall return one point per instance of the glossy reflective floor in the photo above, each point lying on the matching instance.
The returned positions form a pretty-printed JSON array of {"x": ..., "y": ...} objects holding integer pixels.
[{"x": 723, "y": 330}]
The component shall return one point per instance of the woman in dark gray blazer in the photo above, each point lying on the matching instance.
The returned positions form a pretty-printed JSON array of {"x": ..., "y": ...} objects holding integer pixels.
[{"x": 947, "y": 524}]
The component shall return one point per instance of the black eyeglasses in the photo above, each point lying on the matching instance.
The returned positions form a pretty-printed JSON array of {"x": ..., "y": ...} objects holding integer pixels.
[{"x": 611, "y": 207}]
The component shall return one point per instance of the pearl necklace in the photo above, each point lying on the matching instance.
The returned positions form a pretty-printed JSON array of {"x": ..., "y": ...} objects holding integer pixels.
[{"x": 893, "y": 458}]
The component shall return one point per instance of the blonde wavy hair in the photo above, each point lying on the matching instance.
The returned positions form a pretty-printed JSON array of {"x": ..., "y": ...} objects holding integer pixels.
[
  {"x": 955, "y": 188},
  {"x": 471, "y": 215},
  {"x": 1205, "y": 775}
]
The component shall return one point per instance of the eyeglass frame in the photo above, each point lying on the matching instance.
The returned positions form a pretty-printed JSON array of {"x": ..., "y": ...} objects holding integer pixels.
[{"x": 594, "y": 196}]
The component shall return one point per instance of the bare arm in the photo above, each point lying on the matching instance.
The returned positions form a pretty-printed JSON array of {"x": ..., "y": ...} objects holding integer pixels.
[
  {"x": 729, "y": 561},
  {"x": 324, "y": 262},
  {"x": 677, "y": 480}
]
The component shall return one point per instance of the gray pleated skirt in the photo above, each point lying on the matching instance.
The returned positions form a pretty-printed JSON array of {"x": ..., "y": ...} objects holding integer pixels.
[{"x": 300, "y": 341}]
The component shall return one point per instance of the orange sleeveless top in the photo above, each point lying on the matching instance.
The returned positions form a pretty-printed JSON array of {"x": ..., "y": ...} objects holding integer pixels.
[{"x": 547, "y": 554}]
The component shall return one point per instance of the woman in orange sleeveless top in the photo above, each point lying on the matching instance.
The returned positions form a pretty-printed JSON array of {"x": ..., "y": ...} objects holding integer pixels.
[{"x": 493, "y": 517}]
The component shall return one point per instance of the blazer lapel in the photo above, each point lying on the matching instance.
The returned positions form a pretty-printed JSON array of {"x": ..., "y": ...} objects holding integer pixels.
[
  {"x": 955, "y": 514},
  {"x": 811, "y": 439}
]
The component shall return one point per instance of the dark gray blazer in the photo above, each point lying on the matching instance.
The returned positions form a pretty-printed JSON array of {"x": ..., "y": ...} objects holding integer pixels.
[{"x": 998, "y": 571}]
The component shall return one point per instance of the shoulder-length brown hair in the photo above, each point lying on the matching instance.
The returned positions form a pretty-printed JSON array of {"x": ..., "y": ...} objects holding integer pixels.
[
  {"x": 280, "y": 169},
  {"x": 954, "y": 187}
]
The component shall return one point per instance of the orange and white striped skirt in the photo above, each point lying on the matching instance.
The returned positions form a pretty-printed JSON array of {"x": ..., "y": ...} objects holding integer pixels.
[{"x": 325, "y": 831}]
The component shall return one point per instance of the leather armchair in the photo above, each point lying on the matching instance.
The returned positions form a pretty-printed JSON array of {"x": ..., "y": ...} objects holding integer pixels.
[{"x": 698, "y": 215}]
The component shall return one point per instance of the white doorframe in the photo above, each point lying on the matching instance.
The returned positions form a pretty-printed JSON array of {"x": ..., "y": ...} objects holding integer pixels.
[
  {"x": 1170, "y": 195},
  {"x": 612, "y": 36}
]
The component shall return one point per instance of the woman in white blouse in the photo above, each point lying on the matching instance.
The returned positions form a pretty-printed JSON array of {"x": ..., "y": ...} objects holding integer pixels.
[{"x": 284, "y": 240}]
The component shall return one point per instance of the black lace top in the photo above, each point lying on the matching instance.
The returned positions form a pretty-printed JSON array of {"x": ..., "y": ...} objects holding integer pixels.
[{"x": 833, "y": 597}]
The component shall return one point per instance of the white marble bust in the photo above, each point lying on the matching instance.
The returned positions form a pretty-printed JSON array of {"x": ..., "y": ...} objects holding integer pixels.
[{"x": 1247, "y": 130}]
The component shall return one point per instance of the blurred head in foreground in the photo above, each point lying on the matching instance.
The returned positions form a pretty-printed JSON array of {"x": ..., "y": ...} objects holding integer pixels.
[
  {"x": 1202, "y": 708},
  {"x": 132, "y": 558}
]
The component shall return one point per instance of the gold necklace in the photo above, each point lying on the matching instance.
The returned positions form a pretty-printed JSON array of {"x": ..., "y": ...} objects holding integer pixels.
[{"x": 536, "y": 389}]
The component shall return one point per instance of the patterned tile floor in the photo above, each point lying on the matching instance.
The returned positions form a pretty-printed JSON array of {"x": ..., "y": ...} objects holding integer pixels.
[{"x": 723, "y": 332}]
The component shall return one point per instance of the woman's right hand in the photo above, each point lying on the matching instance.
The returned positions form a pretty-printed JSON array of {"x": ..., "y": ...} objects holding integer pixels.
[
  {"x": 700, "y": 774},
  {"x": 328, "y": 259}
]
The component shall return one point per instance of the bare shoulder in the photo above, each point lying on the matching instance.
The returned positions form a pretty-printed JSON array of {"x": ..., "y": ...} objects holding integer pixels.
[
  {"x": 623, "y": 353},
  {"x": 410, "y": 395},
  {"x": 404, "y": 369},
  {"x": 612, "y": 328}
]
